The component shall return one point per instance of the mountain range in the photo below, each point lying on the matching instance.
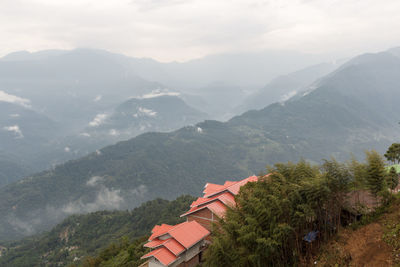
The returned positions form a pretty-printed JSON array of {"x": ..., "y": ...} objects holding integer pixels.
[
  {"x": 349, "y": 110},
  {"x": 53, "y": 101}
]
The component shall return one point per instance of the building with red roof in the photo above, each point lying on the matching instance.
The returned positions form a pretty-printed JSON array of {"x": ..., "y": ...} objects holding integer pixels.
[
  {"x": 176, "y": 246},
  {"x": 215, "y": 201},
  {"x": 182, "y": 245}
]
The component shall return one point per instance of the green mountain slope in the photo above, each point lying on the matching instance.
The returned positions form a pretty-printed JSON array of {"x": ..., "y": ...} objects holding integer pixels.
[
  {"x": 352, "y": 109},
  {"x": 79, "y": 236}
]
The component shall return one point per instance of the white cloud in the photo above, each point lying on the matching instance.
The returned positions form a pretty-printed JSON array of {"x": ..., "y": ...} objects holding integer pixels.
[
  {"x": 14, "y": 115},
  {"x": 140, "y": 191},
  {"x": 15, "y": 129},
  {"x": 93, "y": 181},
  {"x": 20, "y": 225},
  {"x": 85, "y": 134},
  {"x": 288, "y": 95},
  {"x": 67, "y": 149},
  {"x": 147, "y": 112},
  {"x": 4, "y": 97},
  {"x": 113, "y": 132},
  {"x": 106, "y": 199},
  {"x": 98, "y": 120},
  {"x": 180, "y": 30},
  {"x": 158, "y": 93},
  {"x": 97, "y": 98}
]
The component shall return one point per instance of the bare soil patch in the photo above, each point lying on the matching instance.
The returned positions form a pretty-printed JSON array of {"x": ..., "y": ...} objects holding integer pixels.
[{"x": 366, "y": 247}]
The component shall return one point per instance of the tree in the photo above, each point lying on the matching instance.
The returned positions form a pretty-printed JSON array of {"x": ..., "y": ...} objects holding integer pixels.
[
  {"x": 259, "y": 231},
  {"x": 392, "y": 178},
  {"x": 376, "y": 172},
  {"x": 358, "y": 171},
  {"x": 337, "y": 179},
  {"x": 393, "y": 153},
  {"x": 273, "y": 216}
]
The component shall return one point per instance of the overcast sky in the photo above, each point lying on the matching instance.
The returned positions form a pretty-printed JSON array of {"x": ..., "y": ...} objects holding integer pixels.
[{"x": 184, "y": 29}]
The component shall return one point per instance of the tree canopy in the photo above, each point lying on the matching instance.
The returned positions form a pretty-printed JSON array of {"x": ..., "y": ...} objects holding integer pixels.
[
  {"x": 279, "y": 219},
  {"x": 393, "y": 153}
]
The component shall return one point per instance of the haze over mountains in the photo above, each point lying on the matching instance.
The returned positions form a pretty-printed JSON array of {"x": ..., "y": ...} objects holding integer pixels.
[
  {"x": 353, "y": 108},
  {"x": 58, "y": 105}
]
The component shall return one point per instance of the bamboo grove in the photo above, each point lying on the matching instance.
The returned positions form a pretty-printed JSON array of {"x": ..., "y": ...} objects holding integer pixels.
[{"x": 273, "y": 217}]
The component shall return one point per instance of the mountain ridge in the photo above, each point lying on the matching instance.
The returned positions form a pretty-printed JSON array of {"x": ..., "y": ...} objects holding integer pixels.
[{"x": 332, "y": 120}]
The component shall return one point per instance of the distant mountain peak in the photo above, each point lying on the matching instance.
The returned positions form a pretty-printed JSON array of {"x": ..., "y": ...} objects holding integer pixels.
[{"x": 28, "y": 56}]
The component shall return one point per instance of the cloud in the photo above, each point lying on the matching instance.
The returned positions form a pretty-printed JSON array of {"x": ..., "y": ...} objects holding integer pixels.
[
  {"x": 97, "y": 98},
  {"x": 106, "y": 199},
  {"x": 158, "y": 93},
  {"x": 140, "y": 191},
  {"x": 98, "y": 120},
  {"x": 4, "y": 97},
  {"x": 113, "y": 132},
  {"x": 16, "y": 130},
  {"x": 20, "y": 225},
  {"x": 288, "y": 95},
  {"x": 93, "y": 181},
  {"x": 186, "y": 29},
  {"x": 147, "y": 112}
]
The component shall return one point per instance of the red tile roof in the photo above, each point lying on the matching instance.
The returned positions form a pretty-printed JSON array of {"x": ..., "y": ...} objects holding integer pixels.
[
  {"x": 170, "y": 243},
  {"x": 160, "y": 230},
  {"x": 233, "y": 187},
  {"x": 182, "y": 237},
  {"x": 185, "y": 235},
  {"x": 154, "y": 243},
  {"x": 189, "y": 233},
  {"x": 216, "y": 204},
  {"x": 227, "y": 198},
  {"x": 173, "y": 246},
  {"x": 211, "y": 188},
  {"x": 217, "y": 208},
  {"x": 162, "y": 254},
  {"x": 217, "y": 197}
]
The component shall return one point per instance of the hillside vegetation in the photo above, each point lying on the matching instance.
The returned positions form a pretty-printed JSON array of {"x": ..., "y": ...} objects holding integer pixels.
[
  {"x": 80, "y": 236},
  {"x": 374, "y": 242},
  {"x": 274, "y": 216},
  {"x": 352, "y": 109},
  {"x": 280, "y": 219}
]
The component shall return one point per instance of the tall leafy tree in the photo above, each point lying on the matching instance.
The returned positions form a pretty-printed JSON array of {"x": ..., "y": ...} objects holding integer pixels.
[
  {"x": 393, "y": 153},
  {"x": 393, "y": 178},
  {"x": 273, "y": 216},
  {"x": 338, "y": 179},
  {"x": 358, "y": 171},
  {"x": 376, "y": 172}
]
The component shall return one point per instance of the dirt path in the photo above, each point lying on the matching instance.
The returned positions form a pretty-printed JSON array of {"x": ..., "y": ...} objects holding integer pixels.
[{"x": 367, "y": 248}]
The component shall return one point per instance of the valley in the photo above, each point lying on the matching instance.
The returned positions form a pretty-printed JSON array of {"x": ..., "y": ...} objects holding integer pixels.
[{"x": 349, "y": 111}]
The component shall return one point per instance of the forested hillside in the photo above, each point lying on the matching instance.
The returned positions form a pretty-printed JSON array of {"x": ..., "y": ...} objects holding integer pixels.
[
  {"x": 284, "y": 218},
  {"x": 80, "y": 236},
  {"x": 293, "y": 216},
  {"x": 352, "y": 109}
]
